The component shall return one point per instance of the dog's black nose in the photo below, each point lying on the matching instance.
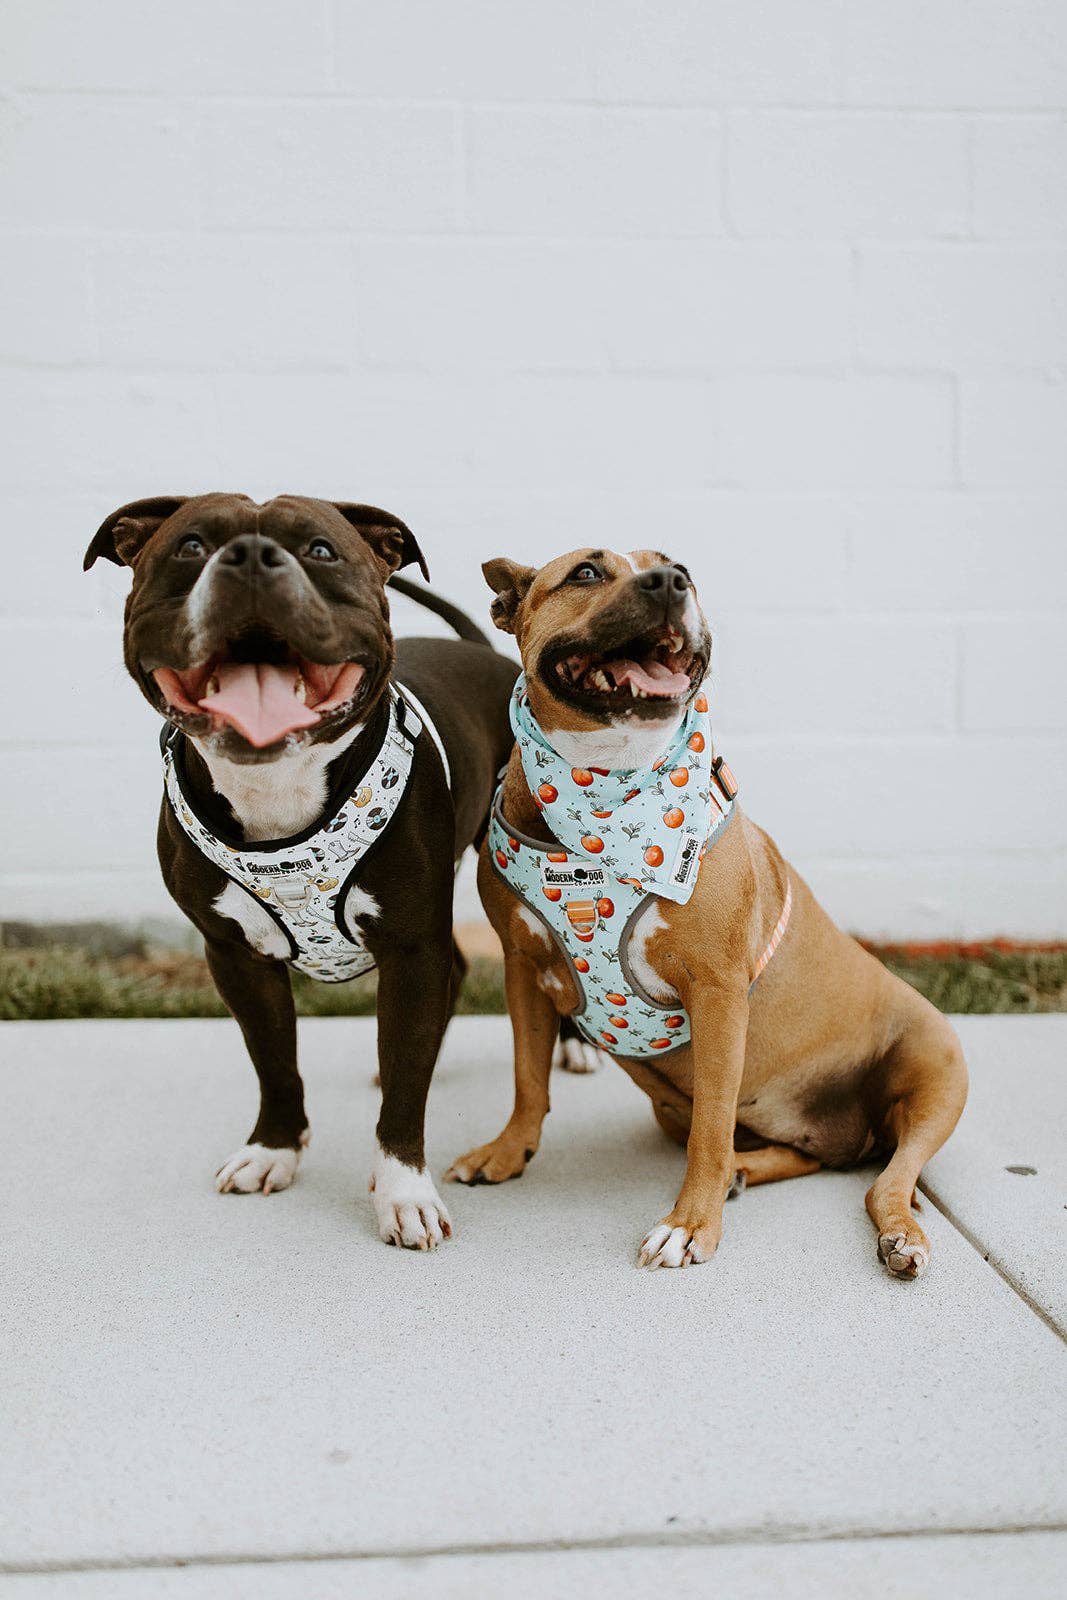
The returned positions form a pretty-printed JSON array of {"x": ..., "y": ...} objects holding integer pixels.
[
  {"x": 252, "y": 550},
  {"x": 671, "y": 578}
]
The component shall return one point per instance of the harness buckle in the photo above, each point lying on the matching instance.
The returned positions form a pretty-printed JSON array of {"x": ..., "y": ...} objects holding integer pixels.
[{"x": 724, "y": 778}]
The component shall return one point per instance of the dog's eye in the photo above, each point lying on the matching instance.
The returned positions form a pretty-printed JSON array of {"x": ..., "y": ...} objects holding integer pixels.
[
  {"x": 320, "y": 550},
  {"x": 191, "y": 548},
  {"x": 586, "y": 573}
]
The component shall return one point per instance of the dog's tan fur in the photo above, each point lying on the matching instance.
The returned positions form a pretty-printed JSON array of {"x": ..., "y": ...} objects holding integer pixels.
[{"x": 831, "y": 1059}]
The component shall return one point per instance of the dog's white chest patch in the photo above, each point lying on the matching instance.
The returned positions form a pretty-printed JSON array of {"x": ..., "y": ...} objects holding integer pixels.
[
  {"x": 257, "y": 925},
  {"x": 359, "y": 905},
  {"x": 534, "y": 925},
  {"x": 650, "y": 921}
]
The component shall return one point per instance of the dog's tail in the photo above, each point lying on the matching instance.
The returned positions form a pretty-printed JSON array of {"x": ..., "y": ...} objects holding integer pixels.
[{"x": 455, "y": 618}]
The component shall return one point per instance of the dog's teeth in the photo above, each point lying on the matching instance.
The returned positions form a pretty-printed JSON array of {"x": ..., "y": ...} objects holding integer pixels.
[
  {"x": 300, "y": 688},
  {"x": 212, "y": 688},
  {"x": 600, "y": 680}
]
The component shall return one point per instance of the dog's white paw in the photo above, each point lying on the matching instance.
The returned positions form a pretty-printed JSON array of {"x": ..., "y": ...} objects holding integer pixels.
[
  {"x": 578, "y": 1055},
  {"x": 257, "y": 1166},
  {"x": 665, "y": 1246},
  {"x": 410, "y": 1212}
]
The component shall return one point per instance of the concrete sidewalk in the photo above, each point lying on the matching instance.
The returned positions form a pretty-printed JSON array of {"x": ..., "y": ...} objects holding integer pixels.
[{"x": 260, "y": 1389}]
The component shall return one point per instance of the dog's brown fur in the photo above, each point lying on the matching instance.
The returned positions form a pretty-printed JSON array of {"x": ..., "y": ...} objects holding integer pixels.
[{"x": 829, "y": 1060}]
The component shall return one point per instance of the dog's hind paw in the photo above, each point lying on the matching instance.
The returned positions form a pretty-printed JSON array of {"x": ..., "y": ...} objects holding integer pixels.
[
  {"x": 409, "y": 1210},
  {"x": 738, "y": 1184},
  {"x": 578, "y": 1055},
  {"x": 905, "y": 1255},
  {"x": 257, "y": 1167}
]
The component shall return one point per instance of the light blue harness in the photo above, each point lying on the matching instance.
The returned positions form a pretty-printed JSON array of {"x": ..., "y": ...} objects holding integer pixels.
[{"x": 625, "y": 839}]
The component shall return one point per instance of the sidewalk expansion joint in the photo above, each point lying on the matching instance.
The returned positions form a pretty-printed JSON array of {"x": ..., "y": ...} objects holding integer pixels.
[
  {"x": 659, "y": 1539},
  {"x": 991, "y": 1261}
]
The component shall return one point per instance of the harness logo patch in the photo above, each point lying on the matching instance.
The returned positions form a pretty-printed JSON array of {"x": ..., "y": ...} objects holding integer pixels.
[
  {"x": 282, "y": 868},
  {"x": 685, "y": 862},
  {"x": 579, "y": 877}
]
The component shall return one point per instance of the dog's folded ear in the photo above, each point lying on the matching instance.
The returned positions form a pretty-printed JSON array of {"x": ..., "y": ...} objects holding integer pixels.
[
  {"x": 123, "y": 535},
  {"x": 391, "y": 540},
  {"x": 509, "y": 581}
]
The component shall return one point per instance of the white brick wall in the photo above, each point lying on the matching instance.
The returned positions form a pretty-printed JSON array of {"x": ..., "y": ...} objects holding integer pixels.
[{"x": 780, "y": 286}]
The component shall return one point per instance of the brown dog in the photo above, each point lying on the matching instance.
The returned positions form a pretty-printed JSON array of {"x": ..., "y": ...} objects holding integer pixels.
[{"x": 827, "y": 1059}]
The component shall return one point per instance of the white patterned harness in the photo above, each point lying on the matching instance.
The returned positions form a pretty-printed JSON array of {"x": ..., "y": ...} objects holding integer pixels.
[{"x": 304, "y": 882}]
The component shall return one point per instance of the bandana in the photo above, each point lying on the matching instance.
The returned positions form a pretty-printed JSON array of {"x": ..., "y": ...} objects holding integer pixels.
[{"x": 648, "y": 827}]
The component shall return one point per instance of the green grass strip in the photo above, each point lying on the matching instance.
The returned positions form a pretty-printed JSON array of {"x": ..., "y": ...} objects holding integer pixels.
[{"x": 50, "y": 982}]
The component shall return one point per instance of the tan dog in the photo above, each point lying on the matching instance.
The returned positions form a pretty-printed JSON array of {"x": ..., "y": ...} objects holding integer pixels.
[{"x": 826, "y": 1060}]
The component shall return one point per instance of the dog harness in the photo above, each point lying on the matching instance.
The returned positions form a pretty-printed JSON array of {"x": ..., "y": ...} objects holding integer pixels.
[
  {"x": 304, "y": 882},
  {"x": 625, "y": 839}
]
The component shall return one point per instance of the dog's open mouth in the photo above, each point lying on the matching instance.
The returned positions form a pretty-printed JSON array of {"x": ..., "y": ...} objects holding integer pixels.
[
  {"x": 655, "y": 666},
  {"x": 260, "y": 686}
]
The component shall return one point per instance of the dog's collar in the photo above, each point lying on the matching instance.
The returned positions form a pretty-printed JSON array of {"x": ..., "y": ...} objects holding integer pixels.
[{"x": 647, "y": 826}]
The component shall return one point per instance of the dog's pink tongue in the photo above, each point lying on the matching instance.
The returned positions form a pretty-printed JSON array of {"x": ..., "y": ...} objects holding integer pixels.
[
  {"x": 259, "y": 701},
  {"x": 653, "y": 676}
]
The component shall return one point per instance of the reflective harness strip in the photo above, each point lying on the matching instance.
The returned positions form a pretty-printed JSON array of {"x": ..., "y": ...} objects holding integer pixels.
[
  {"x": 592, "y": 917},
  {"x": 428, "y": 723},
  {"x": 304, "y": 882}
]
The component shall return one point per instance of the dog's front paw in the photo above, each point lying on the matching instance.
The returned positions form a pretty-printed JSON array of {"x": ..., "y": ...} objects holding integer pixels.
[
  {"x": 505, "y": 1158},
  {"x": 258, "y": 1167},
  {"x": 674, "y": 1244},
  {"x": 409, "y": 1210},
  {"x": 578, "y": 1055}
]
